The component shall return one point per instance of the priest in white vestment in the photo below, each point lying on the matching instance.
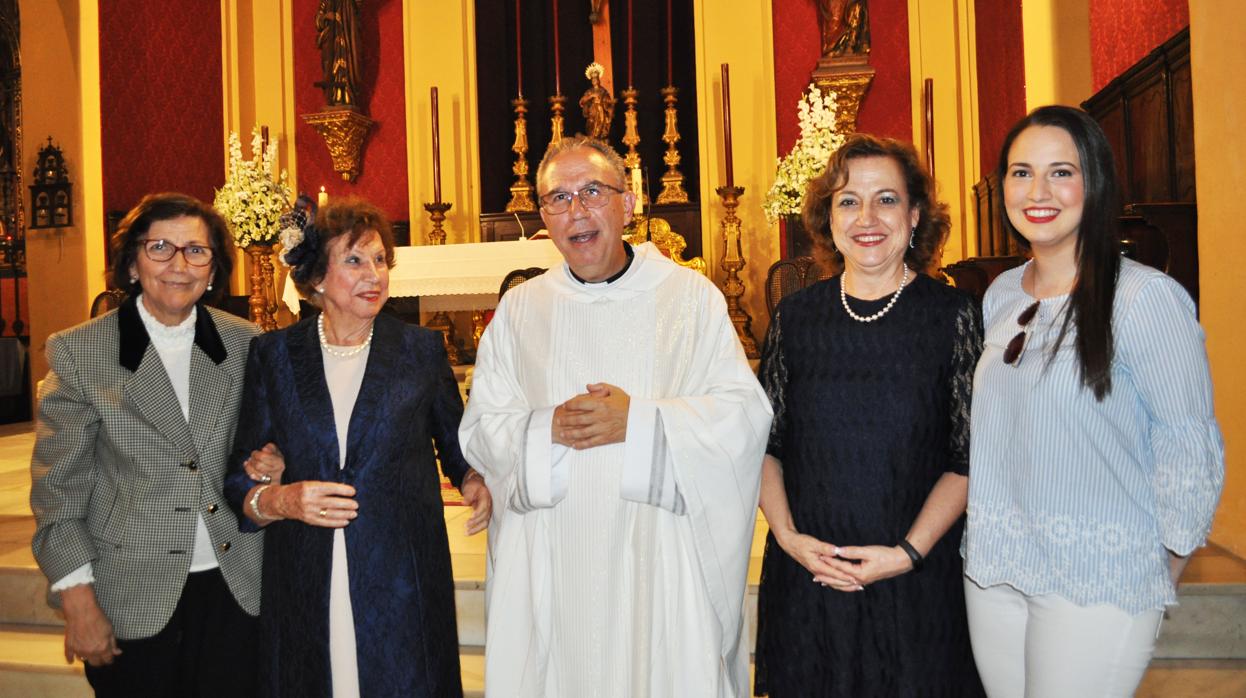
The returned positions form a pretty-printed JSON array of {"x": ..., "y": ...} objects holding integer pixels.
[{"x": 621, "y": 430}]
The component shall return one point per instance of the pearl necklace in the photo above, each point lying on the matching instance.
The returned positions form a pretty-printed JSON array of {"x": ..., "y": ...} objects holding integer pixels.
[
  {"x": 843, "y": 298},
  {"x": 340, "y": 353}
]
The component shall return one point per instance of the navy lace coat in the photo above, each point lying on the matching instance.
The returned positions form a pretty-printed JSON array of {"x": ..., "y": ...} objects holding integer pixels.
[{"x": 401, "y": 587}]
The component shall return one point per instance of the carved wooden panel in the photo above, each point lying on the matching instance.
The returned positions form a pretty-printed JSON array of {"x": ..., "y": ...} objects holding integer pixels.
[
  {"x": 1183, "y": 131},
  {"x": 1147, "y": 113},
  {"x": 1147, "y": 140}
]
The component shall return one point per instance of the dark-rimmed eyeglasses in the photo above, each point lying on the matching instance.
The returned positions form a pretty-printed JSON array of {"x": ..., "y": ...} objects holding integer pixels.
[
  {"x": 163, "y": 251},
  {"x": 1016, "y": 346},
  {"x": 594, "y": 195}
]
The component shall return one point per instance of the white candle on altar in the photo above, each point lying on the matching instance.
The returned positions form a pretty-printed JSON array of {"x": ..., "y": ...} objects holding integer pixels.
[
  {"x": 322, "y": 199},
  {"x": 638, "y": 188}
]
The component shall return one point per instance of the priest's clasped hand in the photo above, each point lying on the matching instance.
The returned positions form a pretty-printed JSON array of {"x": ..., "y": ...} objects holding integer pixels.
[{"x": 595, "y": 418}]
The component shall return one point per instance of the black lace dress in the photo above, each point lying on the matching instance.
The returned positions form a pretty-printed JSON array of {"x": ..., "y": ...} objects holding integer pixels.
[{"x": 868, "y": 416}]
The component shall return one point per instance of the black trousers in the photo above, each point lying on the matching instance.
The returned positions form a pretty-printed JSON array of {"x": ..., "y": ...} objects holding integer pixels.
[{"x": 208, "y": 648}]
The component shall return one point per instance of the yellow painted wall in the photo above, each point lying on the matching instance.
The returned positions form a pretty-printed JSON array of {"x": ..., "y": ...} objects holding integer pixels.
[
  {"x": 1218, "y": 61},
  {"x": 65, "y": 266},
  {"x": 258, "y": 87},
  {"x": 1057, "y": 52},
  {"x": 445, "y": 58},
  {"x": 737, "y": 32},
  {"x": 942, "y": 47}
]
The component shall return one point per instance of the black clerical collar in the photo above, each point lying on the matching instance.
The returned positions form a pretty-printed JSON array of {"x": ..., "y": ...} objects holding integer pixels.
[{"x": 631, "y": 254}]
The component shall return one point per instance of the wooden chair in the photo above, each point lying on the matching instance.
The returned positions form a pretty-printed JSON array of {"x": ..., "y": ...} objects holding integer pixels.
[
  {"x": 976, "y": 273},
  {"x": 787, "y": 276},
  {"x": 517, "y": 277},
  {"x": 106, "y": 301}
]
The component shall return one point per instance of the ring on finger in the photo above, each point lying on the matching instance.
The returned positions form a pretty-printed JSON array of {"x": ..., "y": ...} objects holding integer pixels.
[
  {"x": 324, "y": 513},
  {"x": 266, "y": 478}
]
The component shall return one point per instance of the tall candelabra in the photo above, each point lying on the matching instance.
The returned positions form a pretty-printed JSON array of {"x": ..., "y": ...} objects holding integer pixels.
[
  {"x": 557, "y": 105},
  {"x": 673, "y": 181},
  {"x": 631, "y": 134},
  {"x": 440, "y": 321},
  {"x": 732, "y": 263},
  {"x": 521, "y": 191}
]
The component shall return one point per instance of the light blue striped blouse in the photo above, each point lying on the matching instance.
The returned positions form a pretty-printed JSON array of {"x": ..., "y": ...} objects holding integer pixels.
[{"x": 1080, "y": 498}]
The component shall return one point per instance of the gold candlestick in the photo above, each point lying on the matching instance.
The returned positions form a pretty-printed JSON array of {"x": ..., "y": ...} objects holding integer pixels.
[
  {"x": 557, "y": 105},
  {"x": 521, "y": 191},
  {"x": 673, "y": 181},
  {"x": 631, "y": 134},
  {"x": 732, "y": 263},
  {"x": 631, "y": 138},
  {"x": 440, "y": 320},
  {"x": 437, "y": 214}
]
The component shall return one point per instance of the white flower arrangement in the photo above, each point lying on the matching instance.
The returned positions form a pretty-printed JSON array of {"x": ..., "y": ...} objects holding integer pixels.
[
  {"x": 807, "y": 159},
  {"x": 254, "y": 196}
]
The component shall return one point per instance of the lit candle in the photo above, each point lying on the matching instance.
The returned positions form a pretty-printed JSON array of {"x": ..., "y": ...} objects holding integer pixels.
[
  {"x": 436, "y": 151},
  {"x": 557, "y": 65},
  {"x": 322, "y": 199},
  {"x": 638, "y": 188},
  {"x": 727, "y": 125},
  {"x": 518, "y": 50}
]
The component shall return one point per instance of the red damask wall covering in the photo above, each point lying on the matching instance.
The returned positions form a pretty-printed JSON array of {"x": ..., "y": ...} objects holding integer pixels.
[
  {"x": 1123, "y": 31},
  {"x": 1001, "y": 74},
  {"x": 383, "y": 179},
  {"x": 160, "y": 99},
  {"x": 887, "y": 110}
]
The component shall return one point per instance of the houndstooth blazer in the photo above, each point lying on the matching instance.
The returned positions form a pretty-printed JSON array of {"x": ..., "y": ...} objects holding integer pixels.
[{"x": 118, "y": 474}]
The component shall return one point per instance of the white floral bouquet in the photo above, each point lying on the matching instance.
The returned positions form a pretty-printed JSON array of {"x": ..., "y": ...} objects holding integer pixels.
[
  {"x": 254, "y": 196},
  {"x": 808, "y": 158}
]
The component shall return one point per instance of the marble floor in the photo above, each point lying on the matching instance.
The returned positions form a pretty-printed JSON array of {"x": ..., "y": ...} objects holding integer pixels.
[{"x": 1165, "y": 678}]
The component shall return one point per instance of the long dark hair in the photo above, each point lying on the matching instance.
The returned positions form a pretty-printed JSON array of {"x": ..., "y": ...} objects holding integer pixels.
[{"x": 1098, "y": 251}]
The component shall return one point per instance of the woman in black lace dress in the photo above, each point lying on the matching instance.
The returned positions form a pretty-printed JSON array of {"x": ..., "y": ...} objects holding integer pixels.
[{"x": 865, "y": 478}]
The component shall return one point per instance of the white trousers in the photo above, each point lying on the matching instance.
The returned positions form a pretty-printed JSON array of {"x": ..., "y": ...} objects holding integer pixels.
[{"x": 1048, "y": 647}]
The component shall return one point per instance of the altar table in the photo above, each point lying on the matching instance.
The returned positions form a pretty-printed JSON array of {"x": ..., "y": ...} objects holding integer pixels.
[{"x": 456, "y": 277}]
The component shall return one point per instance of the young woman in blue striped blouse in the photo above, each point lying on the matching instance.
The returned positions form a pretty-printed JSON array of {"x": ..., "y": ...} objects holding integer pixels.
[{"x": 1095, "y": 460}]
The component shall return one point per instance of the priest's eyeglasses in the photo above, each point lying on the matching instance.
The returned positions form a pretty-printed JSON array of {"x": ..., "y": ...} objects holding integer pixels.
[
  {"x": 163, "y": 251},
  {"x": 1016, "y": 346},
  {"x": 593, "y": 195}
]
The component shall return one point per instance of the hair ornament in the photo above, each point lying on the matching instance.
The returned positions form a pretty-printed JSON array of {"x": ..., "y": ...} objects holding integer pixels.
[{"x": 300, "y": 238}]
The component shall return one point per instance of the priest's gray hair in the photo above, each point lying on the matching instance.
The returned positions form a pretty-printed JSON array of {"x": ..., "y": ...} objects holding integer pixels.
[{"x": 576, "y": 142}]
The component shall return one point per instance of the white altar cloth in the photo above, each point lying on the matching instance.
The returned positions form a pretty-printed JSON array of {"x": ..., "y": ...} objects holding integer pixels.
[{"x": 456, "y": 277}]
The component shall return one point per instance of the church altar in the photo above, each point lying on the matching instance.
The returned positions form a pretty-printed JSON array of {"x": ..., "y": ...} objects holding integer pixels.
[{"x": 456, "y": 277}]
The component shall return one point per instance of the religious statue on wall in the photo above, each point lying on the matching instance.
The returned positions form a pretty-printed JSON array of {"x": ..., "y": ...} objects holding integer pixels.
[
  {"x": 337, "y": 35},
  {"x": 845, "y": 26},
  {"x": 597, "y": 104},
  {"x": 343, "y": 122}
]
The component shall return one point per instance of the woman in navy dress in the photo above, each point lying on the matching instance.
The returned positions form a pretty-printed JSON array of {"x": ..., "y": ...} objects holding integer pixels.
[{"x": 358, "y": 595}]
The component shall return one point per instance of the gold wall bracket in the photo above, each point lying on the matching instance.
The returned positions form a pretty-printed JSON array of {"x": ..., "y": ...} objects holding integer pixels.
[
  {"x": 344, "y": 131},
  {"x": 849, "y": 77}
]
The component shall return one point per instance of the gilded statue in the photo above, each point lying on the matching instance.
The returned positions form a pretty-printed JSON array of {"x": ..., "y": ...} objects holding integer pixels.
[
  {"x": 597, "y": 104},
  {"x": 845, "y": 27},
  {"x": 337, "y": 35}
]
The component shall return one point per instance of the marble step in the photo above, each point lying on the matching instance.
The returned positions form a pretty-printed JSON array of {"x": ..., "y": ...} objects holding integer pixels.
[
  {"x": 1209, "y": 623},
  {"x": 32, "y": 665},
  {"x": 23, "y": 601}
]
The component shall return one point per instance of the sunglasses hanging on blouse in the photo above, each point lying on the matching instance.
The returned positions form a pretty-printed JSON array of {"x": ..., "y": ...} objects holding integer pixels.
[{"x": 1016, "y": 346}]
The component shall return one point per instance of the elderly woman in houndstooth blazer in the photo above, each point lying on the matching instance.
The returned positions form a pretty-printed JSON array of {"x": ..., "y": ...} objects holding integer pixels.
[{"x": 159, "y": 588}]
